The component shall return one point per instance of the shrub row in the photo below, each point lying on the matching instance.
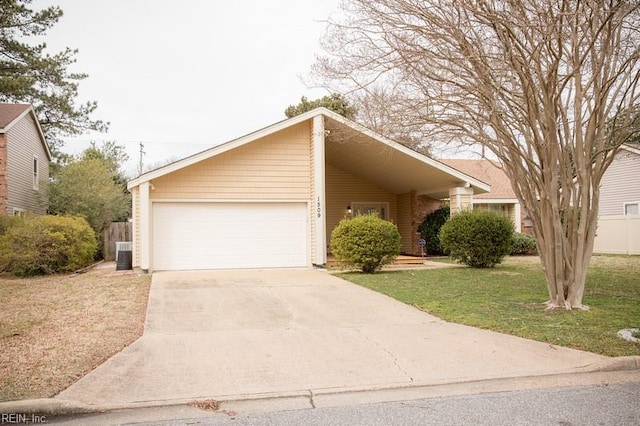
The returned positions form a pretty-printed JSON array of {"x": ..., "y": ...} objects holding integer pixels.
[
  {"x": 521, "y": 244},
  {"x": 36, "y": 245},
  {"x": 478, "y": 238}
]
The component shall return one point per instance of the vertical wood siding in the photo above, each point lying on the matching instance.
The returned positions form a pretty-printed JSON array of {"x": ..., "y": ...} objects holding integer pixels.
[
  {"x": 271, "y": 168},
  {"x": 23, "y": 142},
  {"x": 342, "y": 189},
  {"x": 620, "y": 184}
]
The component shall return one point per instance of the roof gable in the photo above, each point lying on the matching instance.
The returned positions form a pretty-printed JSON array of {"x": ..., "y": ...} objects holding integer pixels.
[
  {"x": 219, "y": 149},
  {"x": 10, "y": 114},
  {"x": 355, "y": 127}
]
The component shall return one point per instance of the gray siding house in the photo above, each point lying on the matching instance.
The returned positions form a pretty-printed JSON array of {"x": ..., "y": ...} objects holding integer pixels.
[
  {"x": 24, "y": 161},
  {"x": 619, "y": 211},
  {"x": 620, "y": 186}
]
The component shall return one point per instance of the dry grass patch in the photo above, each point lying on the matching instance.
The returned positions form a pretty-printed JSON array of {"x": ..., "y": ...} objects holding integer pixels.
[{"x": 56, "y": 329}]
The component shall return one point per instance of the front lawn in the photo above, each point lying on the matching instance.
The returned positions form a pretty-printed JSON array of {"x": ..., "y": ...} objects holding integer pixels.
[
  {"x": 55, "y": 329},
  {"x": 508, "y": 299}
]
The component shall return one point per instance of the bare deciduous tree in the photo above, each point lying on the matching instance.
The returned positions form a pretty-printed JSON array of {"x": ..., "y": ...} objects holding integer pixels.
[
  {"x": 540, "y": 83},
  {"x": 381, "y": 110}
]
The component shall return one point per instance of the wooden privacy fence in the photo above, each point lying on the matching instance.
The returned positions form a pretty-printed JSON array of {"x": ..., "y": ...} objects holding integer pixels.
[{"x": 117, "y": 231}]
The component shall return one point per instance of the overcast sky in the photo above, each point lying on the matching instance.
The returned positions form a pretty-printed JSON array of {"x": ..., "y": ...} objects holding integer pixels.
[{"x": 182, "y": 76}]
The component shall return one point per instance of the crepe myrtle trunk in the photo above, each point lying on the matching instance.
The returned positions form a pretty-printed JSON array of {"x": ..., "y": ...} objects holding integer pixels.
[
  {"x": 565, "y": 257},
  {"x": 563, "y": 203}
]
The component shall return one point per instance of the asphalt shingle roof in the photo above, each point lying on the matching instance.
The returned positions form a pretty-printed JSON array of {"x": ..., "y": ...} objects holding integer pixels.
[
  {"x": 487, "y": 171},
  {"x": 9, "y": 112}
]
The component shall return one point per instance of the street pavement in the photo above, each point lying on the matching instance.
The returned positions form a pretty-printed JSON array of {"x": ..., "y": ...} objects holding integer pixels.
[{"x": 592, "y": 399}]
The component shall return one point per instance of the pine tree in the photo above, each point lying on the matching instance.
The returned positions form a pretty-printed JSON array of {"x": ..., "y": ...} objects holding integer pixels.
[{"x": 29, "y": 74}]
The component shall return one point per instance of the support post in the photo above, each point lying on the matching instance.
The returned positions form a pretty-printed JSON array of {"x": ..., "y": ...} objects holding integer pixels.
[
  {"x": 517, "y": 220},
  {"x": 319, "y": 202},
  {"x": 145, "y": 226},
  {"x": 460, "y": 198}
]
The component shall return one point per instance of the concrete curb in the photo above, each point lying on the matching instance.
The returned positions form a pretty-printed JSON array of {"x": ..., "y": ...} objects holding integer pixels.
[
  {"x": 46, "y": 406},
  {"x": 621, "y": 363},
  {"x": 303, "y": 398}
]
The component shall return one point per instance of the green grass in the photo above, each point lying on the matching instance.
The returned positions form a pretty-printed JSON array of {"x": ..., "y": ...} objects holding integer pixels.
[{"x": 509, "y": 298}]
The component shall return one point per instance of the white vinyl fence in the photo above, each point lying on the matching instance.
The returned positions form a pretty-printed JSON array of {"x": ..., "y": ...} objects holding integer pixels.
[{"x": 618, "y": 235}]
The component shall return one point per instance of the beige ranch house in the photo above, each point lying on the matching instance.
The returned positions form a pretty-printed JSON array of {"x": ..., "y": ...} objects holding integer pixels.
[{"x": 271, "y": 198}]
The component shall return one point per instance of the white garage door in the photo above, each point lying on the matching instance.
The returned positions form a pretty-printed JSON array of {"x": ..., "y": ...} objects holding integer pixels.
[{"x": 229, "y": 235}]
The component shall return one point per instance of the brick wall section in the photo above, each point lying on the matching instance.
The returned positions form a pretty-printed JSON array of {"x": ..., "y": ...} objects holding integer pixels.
[
  {"x": 3, "y": 174},
  {"x": 421, "y": 205}
]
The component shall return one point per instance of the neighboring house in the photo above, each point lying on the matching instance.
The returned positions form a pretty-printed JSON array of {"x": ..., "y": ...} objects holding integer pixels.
[
  {"x": 501, "y": 198},
  {"x": 271, "y": 198},
  {"x": 24, "y": 161},
  {"x": 619, "y": 211}
]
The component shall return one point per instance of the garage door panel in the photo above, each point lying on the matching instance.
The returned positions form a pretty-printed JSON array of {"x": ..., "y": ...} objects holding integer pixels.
[{"x": 229, "y": 235}]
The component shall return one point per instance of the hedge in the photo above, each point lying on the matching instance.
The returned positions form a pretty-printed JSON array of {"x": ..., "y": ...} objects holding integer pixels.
[{"x": 37, "y": 245}]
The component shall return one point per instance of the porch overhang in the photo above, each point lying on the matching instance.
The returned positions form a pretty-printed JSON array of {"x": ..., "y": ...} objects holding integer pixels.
[{"x": 390, "y": 165}]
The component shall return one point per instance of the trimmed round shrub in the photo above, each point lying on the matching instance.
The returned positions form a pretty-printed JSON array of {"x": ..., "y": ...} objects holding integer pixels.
[
  {"x": 37, "y": 245},
  {"x": 478, "y": 238},
  {"x": 366, "y": 242},
  {"x": 523, "y": 245},
  {"x": 430, "y": 227}
]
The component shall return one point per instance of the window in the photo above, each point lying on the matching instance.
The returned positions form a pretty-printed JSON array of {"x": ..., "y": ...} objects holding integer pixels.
[
  {"x": 35, "y": 172},
  {"x": 500, "y": 208},
  {"x": 382, "y": 209},
  {"x": 631, "y": 208}
]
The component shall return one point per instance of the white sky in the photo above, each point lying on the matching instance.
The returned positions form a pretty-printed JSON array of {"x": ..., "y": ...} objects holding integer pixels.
[{"x": 182, "y": 76}]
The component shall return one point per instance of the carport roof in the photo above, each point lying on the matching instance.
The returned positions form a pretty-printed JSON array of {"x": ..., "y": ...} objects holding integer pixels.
[{"x": 358, "y": 150}]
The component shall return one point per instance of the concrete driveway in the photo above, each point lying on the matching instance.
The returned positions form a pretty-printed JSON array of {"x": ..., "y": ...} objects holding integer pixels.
[{"x": 251, "y": 333}]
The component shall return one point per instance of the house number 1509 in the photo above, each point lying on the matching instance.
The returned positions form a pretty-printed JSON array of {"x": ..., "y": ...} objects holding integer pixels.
[{"x": 319, "y": 208}]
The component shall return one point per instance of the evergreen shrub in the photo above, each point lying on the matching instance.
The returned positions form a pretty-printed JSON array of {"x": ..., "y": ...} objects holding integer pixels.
[
  {"x": 366, "y": 242},
  {"x": 477, "y": 238},
  {"x": 523, "y": 245},
  {"x": 38, "y": 245},
  {"x": 429, "y": 229}
]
